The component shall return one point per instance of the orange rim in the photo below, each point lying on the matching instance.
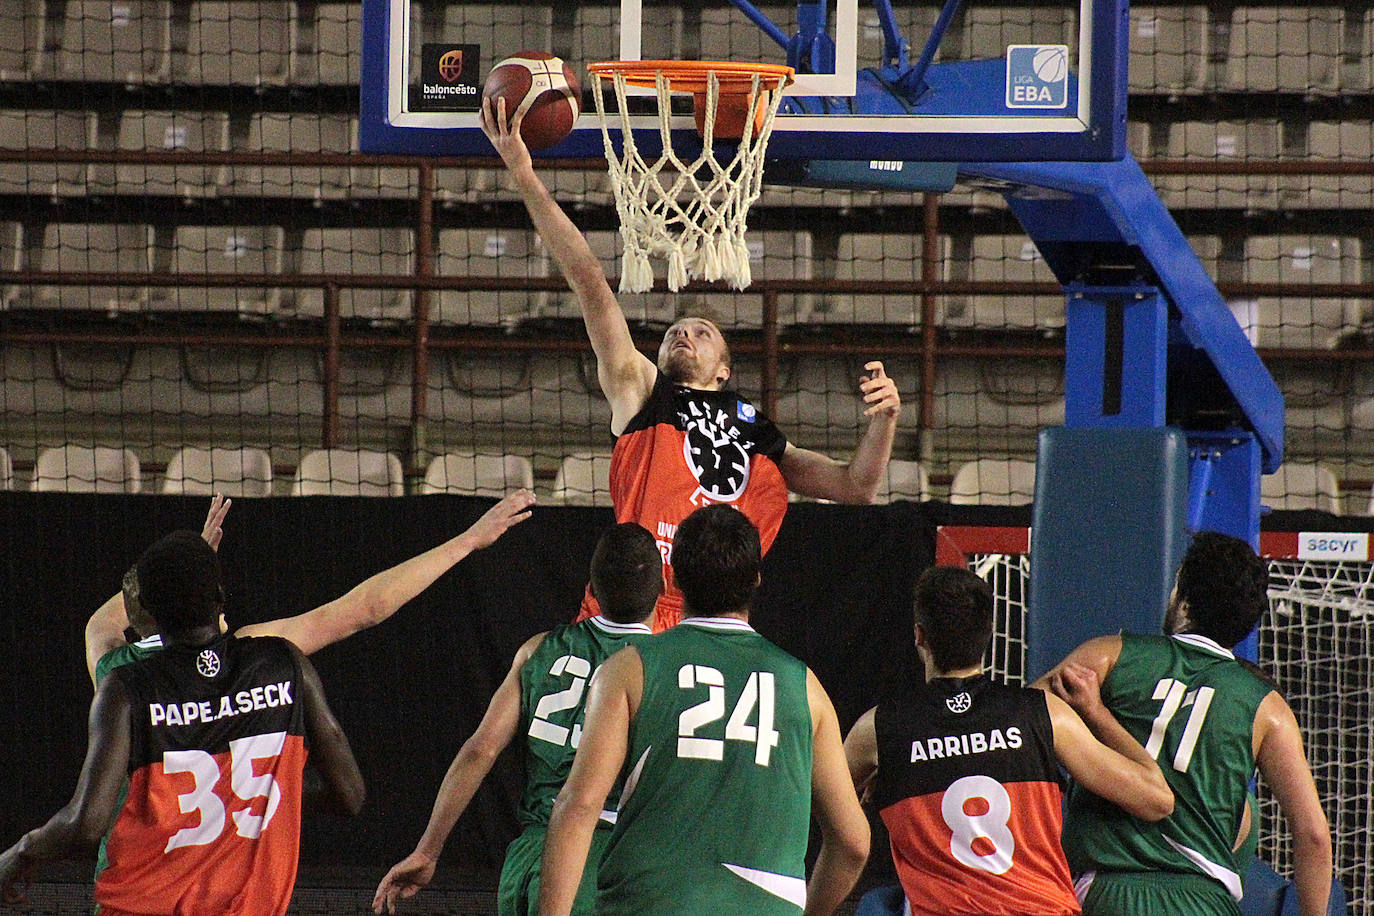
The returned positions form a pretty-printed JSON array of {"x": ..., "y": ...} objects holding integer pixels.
[{"x": 691, "y": 75}]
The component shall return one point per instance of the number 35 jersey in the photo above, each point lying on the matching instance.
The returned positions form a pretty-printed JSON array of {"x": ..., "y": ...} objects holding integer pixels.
[
  {"x": 211, "y": 824},
  {"x": 553, "y": 704},
  {"x": 969, "y": 788}
]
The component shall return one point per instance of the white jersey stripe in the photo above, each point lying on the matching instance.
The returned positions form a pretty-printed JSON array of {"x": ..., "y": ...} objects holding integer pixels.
[
  {"x": 610, "y": 626},
  {"x": 1229, "y": 879},
  {"x": 718, "y": 623},
  {"x": 784, "y": 887},
  {"x": 1202, "y": 642}
]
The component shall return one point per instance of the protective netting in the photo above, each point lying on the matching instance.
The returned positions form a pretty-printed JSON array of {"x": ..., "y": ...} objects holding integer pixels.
[
  {"x": 155, "y": 367},
  {"x": 1317, "y": 642}
]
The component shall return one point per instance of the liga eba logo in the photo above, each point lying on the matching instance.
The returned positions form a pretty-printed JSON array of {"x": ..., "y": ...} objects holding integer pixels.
[
  {"x": 451, "y": 65},
  {"x": 207, "y": 663},
  {"x": 1037, "y": 76},
  {"x": 959, "y": 703}
]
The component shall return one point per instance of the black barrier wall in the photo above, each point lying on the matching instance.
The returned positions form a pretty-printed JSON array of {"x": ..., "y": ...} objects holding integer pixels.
[{"x": 836, "y": 593}]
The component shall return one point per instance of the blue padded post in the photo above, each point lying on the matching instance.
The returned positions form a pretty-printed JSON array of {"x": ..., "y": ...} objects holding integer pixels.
[{"x": 1107, "y": 533}]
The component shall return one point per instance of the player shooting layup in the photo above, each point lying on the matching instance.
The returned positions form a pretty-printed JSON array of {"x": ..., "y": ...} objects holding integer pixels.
[{"x": 684, "y": 440}]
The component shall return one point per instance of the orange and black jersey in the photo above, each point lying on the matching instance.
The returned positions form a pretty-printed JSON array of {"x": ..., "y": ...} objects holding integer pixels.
[
  {"x": 971, "y": 793},
  {"x": 211, "y": 823},
  {"x": 688, "y": 448}
]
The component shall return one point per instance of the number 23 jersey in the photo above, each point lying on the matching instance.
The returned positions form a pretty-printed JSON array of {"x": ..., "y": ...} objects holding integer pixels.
[
  {"x": 969, "y": 788},
  {"x": 211, "y": 824}
]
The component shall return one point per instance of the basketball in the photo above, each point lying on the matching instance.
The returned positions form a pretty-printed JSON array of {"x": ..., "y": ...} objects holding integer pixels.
[{"x": 544, "y": 88}]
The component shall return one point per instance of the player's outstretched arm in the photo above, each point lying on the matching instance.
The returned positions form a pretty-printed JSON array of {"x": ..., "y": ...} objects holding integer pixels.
[
  {"x": 86, "y": 818},
  {"x": 626, "y": 375},
  {"x": 821, "y": 477},
  {"x": 473, "y": 762},
  {"x": 377, "y": 598},
  {"x": 105, "y": 628},
  {"x": 1279, "y": 753},
  {"x": 612, "y": 703},
  {"x": 330, "y": 754},
  {"x": 861, "y": 752},
  {"x": 844, "y": 829}
]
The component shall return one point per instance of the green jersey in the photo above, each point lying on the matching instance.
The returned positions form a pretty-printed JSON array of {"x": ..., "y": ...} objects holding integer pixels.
[
  {"x": 716, "y": 810},
  {"x": 115, "y": 658},
  {"x": 553, "y": 698},
  {"x": 1192, "y": 706}
]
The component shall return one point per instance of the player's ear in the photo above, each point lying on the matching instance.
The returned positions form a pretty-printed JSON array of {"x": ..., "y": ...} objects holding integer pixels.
[
  {"x": 722, "y": 374},
  {"x": 920, "y": 636}
]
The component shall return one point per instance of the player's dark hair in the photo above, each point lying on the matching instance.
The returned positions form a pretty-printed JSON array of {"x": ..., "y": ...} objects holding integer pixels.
[
  {"x": 627, "y": 573},
  {"x": 716, "y": 558},
  {"x": 954, "y": 608},
  {"x": 1226, "y": 587},
  {"x": 179, "y": 582}
]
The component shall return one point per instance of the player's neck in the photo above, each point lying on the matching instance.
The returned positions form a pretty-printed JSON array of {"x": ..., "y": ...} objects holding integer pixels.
[
  {"x": 932, "y": 672},
  {"x": 741, "y": 614},
  {"x": 195, "y": 636}
]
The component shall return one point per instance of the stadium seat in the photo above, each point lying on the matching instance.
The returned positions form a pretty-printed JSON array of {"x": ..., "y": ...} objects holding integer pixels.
[
  {"x": 1298, "y": 485},
  {"x": 338, "y": 49},
  {"x": 233, "y": 472},
  {"x": 167, "y": 131},
  {"x": 243, "y": 44},
  {"x": 396, "y": 181},
  {"x": 914, "y": 23},
  {"x": 348, "y": 472},
  {"x": 94, "y": 248},
  {"x": 1303, "y": 321},
  {"x": 388, "y": 252},
  {"x": 727, "y": 34},
  {"x": 6, "y": 470},
  {"x": 1224, "y": 141},
  {"x": 473, "y": 185},
  {"x": 292, "y": 133},
  {"x": 1009, "y": 258},
  {"x": 1168, "y": 49},
  {"x": 1285, "y": 49},
  {"x": 905, "y": 480},
  {"x": 116, "y": 42},
  {"x": 87, "y": 469},
  {"x": 988, "y": 30},
  {"x": 596, "y": 35},
  {"x": 223, "y": 250},
  {"x": 22, "y": 54},
  {"x": 505, "y": 253},
  {"x": 11, "y": 258},
  {"x": 39, "y": 129},
  {"x": 993, "y": 482},
  {"x": 474, "y": 474},
  {"x": 870, "y": 256},
  {"x": 583, "y": 479},
  {"x": 1327, "y": 141}
]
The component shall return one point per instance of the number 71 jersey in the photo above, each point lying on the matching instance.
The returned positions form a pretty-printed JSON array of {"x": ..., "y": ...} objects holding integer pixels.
[
  {"x": 969, "y": 788},
  {"x": 211, "y": 824}
]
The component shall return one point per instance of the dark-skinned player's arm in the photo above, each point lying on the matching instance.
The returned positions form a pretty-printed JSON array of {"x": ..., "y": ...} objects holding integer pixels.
[
  {"x": 626, "y": 375},
  {"x": 844, "y": 828},
  {"x": 380, "y": 596},
  {"x": 330, "y": 754},
  {"x": 856, "y": 481},
  {"x": 105, "y": 628},
  {"x": 470, "y": 766},
  {"x": 611, "y": 706},
  {"x": 78, "y": 827}
]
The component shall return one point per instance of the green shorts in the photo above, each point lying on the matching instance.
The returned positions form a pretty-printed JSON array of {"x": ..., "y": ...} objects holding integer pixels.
[
  {"x": 518, "y": 892},
  {"x": 1157, "y": 894}
]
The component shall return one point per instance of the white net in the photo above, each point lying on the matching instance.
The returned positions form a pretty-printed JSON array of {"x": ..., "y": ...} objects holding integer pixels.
[
  {"x": 693, "y": 214},
  {"x": 1318, "y": 644}
]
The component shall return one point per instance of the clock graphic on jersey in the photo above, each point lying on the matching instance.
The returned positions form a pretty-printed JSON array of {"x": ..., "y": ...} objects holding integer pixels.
[{"x": 719, "y": 463}]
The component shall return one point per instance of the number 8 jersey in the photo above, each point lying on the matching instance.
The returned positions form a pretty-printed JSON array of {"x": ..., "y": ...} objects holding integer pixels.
[
  {"x": 969, "y": 788},
  {"x": 211, "y": 823}
]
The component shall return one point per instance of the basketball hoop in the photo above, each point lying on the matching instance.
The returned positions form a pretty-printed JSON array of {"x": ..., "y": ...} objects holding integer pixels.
[{"x": 696, "y": 217}]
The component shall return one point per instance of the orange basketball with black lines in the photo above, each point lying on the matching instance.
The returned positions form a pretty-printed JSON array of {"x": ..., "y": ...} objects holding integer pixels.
[{"x": 544, "y": 87}]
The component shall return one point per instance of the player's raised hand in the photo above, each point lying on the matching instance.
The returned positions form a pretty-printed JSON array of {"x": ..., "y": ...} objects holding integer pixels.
[
  {"x": 505, "y": 135},
  {"x": 879, "y": 392},
  {"x": 214, "y": 520},
  {"x": 500, "y": 518},
  {"x": 1078, "y": 686},
  {"x": 406, "y": 879}
]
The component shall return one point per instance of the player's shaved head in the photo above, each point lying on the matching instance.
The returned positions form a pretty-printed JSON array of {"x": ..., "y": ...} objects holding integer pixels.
[
  {"x": 716, "y": 560},
  {"x": 179, "y": 582},
  {"x": 627, "y": 573},
  {"x": 1222, "y": 589},
  {"x": 954, "y": 609}
]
